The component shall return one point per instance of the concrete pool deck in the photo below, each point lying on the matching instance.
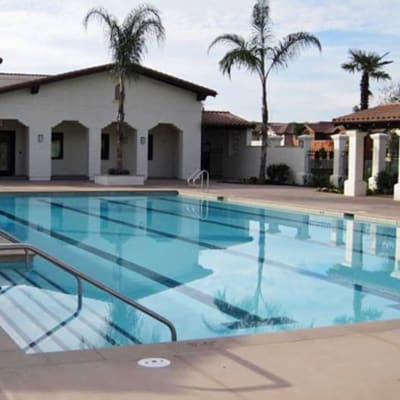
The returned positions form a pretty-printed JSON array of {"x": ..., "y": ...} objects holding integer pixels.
[{"x": 348, "y": 362}]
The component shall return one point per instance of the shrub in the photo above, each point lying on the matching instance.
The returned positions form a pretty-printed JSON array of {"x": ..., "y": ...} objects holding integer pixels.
[
  {"x": 279, "y": 173},
  {"x": 385, "y": 182}
]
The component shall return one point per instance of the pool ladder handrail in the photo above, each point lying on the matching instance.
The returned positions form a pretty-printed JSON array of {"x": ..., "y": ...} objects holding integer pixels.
[
  {"x": 204, "y": 176},
  {"x": 28, "y": 248}
]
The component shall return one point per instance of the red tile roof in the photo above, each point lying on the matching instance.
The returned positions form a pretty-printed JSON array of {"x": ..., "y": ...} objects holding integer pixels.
[
  {"x": 382, "y": 113},
  {"x": 224, "y": 119},
  {"x": 8, "y": 79},
  {"x": 201, "y": 91}
]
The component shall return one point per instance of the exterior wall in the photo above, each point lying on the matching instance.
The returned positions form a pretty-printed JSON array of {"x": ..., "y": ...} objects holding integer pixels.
[
  {"x": 21, "y": 145},
  {"x": 75, "y": 150},
  {"x": 238, "y": 160},
  {"x": 90, "y": 100},
  {"x": 129, "y": 149},
  {"x": 166, "y": 155}
]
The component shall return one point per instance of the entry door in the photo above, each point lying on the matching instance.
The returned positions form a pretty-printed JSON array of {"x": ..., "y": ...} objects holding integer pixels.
[{"x": 7, "y": 153}]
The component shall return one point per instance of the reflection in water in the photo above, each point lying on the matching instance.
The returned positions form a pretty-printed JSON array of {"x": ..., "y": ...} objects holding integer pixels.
[{"x": 396, "y": 271}]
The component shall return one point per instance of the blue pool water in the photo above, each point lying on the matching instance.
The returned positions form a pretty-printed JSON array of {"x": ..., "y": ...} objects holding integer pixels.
[{"x": 214, "y": 269}]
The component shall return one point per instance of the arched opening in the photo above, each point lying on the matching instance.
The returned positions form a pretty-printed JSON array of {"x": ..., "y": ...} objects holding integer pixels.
[
  {"x": 109, "y": 148},
  {"x": 14, "y": 152},
  {"x": 164, "y": 151},
  {"x": 69, "y": 150}
]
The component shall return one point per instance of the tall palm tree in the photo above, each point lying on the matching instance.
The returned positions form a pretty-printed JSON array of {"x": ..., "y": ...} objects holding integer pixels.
[
  {"x": 370, "y": 64},
  {"x": 260, "y": 54},
  {"x": 128, "y": 44}
]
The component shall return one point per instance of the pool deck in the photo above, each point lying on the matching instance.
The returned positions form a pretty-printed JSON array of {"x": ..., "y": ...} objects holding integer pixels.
[{"x": 345, "y": 362}]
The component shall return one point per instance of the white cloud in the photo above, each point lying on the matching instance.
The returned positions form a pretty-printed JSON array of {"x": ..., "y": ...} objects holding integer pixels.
[{"x": 47, "y": 36}]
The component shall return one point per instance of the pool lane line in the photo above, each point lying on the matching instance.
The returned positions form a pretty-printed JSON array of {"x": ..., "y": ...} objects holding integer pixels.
[
  {"x": 176, "y": 214},
  {"x": 265, "y": 215},
  {"x": 264, "y": 260},
  {"x": 195, "y": 294},
  {"x": 31, "y": 317},
  {"x": 120, "y": 330},
  {"x": 83, "y": 319}
]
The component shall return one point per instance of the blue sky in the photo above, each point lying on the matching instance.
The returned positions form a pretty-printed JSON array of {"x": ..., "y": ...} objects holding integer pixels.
[{"x": 47, "y": 37}]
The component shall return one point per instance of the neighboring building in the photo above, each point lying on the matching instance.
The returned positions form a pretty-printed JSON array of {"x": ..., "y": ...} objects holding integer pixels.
[
  {"x": 64, "y": 125},
  {"x": 320, "y": 131}
]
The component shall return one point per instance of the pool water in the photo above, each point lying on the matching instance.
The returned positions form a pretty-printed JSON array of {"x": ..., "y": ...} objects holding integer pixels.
[{"x": 212, "y": 268}]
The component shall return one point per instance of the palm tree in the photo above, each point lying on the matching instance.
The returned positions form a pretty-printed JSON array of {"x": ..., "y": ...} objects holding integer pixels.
[
  {"x": 260, "y": 55},
  {"x": 128, "y": 44},
  {"x": 370, "y": 64}
]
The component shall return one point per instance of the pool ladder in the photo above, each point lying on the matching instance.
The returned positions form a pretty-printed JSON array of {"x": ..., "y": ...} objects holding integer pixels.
[
  {"x": 204, "y": 177},
  {"x": 30, "y": 250}
]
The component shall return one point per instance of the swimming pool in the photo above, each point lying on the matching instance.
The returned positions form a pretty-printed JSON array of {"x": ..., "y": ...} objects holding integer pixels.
[{"x": 212, "y": 268}]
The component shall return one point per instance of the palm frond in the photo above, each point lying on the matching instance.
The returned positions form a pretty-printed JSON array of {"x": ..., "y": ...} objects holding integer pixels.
[
  {"x": 240, "y": 58},
  {"x": 290, "y": 47},
  {"x": 229, "y": 39}
]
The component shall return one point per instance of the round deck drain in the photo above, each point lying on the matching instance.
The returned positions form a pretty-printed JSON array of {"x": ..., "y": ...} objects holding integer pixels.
[{"x": 154, "y": 363}]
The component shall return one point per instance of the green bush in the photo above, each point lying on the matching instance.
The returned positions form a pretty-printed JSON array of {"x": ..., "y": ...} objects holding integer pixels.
[
  {"x": 279, "y": 173},
  {"x": 385, "y": 182}
]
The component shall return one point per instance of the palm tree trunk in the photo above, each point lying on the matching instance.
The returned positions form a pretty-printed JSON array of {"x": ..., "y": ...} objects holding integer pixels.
[
  {"x": 120, "y": 125},
  {"x": 264, "y": 134},
  {"x": 364, "y": 91}
]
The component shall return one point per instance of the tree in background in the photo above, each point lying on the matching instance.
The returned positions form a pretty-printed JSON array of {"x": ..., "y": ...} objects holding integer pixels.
[
  {"x": 370, "y": 65},
  {"x": 128, "y": 44},
  {"x": 260, "y": 54}
]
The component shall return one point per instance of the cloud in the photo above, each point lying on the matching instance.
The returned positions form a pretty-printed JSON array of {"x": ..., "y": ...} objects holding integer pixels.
[{"x": 47, "y": 36}]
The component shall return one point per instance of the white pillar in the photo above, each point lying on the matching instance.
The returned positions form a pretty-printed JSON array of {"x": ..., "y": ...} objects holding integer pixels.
[
  {"x": 397, "y": 187},
  {"x": 355, "y": 185},
  {"x": 142, "y": 144},
  {"x": 94, "y": 150},
  {"x": 396, "y": 270},
  {"x": 304, "y": 177},
  {"x": 378, "y": 157},
  {"x": 39, "y": 152},
  {"x": 339, "y": 173}
]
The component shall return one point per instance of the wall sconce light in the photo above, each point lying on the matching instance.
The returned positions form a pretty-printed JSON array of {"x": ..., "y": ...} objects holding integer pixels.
[
  {"x": 40, "y": 138},
  {"x": 142, "y": 140}
]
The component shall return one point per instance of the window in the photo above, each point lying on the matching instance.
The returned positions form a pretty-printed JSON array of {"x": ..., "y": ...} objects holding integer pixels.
[
  {"x": 150, "y": 148},
  {"x": 57, "y": 146},
  {"x": 105, "y": 146}
]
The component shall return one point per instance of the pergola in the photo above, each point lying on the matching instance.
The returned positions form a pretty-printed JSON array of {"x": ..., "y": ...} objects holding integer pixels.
[{"x": 375, "y": 122}]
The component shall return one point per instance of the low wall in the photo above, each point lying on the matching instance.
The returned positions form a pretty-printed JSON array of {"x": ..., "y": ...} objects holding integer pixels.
[{"x": 246, "y": 163}]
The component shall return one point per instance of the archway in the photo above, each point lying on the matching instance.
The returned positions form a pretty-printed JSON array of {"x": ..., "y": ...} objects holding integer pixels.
[{"x": 164, "y": 151}]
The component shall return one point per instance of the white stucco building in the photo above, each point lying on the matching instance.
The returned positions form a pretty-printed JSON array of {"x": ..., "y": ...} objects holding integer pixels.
[{"x": 64, "y": 125}]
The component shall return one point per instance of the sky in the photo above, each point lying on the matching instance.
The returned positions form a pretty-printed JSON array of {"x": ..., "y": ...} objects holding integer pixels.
[{"x": 48, "y": 37}]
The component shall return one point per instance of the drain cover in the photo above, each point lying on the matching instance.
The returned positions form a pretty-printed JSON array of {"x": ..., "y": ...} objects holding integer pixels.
[{"x": 154, "y": 363}]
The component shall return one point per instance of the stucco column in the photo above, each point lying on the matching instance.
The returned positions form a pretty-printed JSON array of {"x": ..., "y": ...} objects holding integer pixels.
[
  {"x": 355, "y": 185},
  {"x": 94, "y": 150},
  {"x": 339, "y": 146},
  {"x": 304, "y": 177},
  {"x": 378, "y": 157},
  {"x": 397, "y": 187},
  {"x": 142, "y": 144},
  {"x": 39, "y": 152},
  {"x": 396, "y": 270}
]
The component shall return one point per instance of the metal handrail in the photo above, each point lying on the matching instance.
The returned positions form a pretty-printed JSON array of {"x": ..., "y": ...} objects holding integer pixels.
[
  {"x": 83, "y": 277},
  {"x": 200, "y": 174}
]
